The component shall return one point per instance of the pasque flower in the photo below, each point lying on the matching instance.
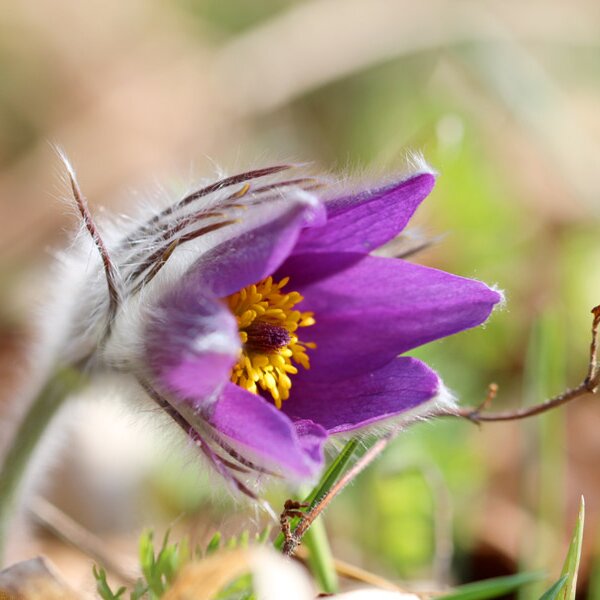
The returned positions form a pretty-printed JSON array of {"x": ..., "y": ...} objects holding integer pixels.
[{"x": 253, "y": 313}]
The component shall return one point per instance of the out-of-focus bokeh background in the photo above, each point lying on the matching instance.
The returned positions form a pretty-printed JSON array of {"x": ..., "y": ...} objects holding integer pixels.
[{"x": 502, "y": 98}]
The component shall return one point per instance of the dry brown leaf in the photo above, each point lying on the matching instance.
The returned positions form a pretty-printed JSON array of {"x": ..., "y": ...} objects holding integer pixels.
[
  {"x": 274, "y": 577},
  {"x": 34, "y": 579}
]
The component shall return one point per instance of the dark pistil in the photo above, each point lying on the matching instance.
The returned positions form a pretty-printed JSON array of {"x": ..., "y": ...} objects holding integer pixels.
[{"x": 266, "y": 338}]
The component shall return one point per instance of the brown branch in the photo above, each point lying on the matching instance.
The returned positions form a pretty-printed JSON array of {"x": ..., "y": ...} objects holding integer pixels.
[
  {"x": 588, "y": 386},
  {"x": 593, "y": 373}
]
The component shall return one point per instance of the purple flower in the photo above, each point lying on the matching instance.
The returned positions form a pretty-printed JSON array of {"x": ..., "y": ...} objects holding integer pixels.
[{"x": 263, "y": 325}]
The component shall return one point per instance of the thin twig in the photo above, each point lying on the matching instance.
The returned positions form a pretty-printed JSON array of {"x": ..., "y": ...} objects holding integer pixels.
[
  {"x": 489, "y": 398},
  {"x": 593, "y": 366},
  {"x": 588, "y": 386}
]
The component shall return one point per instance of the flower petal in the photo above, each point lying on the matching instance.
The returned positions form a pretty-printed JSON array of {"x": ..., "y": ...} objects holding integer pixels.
[
  {"x": 400, "y": 386},
  {"x": 191, "y": 342},
  {"x": 257, "y": 252},
  {"x": 254, "y": 424},
  {"x": 366, "y": 220},
  {"x": 377, "y": 308}
]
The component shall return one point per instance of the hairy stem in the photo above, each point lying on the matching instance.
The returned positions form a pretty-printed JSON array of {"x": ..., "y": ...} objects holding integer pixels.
[
  {"x": 321, "y": 500},
  {"x": 63, "y": 383}
]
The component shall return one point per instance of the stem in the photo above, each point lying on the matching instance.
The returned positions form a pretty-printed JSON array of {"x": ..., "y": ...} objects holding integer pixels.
[
  {"x": 522, "y": 413},
  {"x": 589, "y": 385},
  {"x": 331, "y": 485},
  {"x": 30, "y": 431},
  {"x": 320, "y": 557},
  {"x": 327, "y": 480},
  {"x": 362, "y": 463}
]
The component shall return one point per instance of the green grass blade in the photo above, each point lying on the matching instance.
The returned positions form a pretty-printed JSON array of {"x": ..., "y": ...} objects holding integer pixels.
[
  {"x": 321, "y": 561},
  {"x": 554, "y": 590},
  {"x": 330, "y": 476},
  {"x": 571, "y": 566},
  {"x": 492, "y": 588},
  {"x": 333, "y": 473}
]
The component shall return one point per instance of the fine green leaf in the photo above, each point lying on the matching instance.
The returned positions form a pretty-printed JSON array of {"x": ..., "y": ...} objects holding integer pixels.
[
  {"x": 491, "y": 588},
  {"x": 214, "y": 544},
  {"x": 102, "y": 586},
  {"x": 148, "y": 562},
  {"x": 171, "y": 558},
  {"x": 571, "y": 565},
  {"x": 146, "y": 554},
  {"x": 554, "y": 590}
]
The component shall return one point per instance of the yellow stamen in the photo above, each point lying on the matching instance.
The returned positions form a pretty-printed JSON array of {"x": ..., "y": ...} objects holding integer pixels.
[{"x": 270, "y": 346}]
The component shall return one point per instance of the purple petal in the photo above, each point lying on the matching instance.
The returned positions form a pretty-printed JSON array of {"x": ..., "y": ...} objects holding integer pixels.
[
  {"x": 255, "y": 425},
  {"x": 367, "y": 220},
  {"x": 377, "y": 308},
  {"x": 191, "y": 342},
  {"x": 256, "y": 253},
  {"x": 400, "y": 386}
]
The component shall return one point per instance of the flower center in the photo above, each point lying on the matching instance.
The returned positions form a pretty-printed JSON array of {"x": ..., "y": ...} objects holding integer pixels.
[{"x": 267, "y": 323}]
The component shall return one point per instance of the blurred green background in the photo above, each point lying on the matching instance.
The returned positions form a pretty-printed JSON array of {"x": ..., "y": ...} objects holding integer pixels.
[{"x": 502, "y": 98}]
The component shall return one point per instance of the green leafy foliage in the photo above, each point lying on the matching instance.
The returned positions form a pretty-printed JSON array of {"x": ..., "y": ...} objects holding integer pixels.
[
  {"x": 160, "y": 569},
  {"x": 492, "y": 588},
  {"x": 102, "y": 586}
]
